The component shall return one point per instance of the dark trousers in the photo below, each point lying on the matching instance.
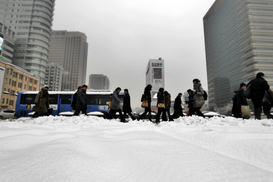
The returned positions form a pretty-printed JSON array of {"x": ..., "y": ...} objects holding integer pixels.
[
  {"x": 77, "y": 112},
  {"x": 147, "y": 110},
  {"x": 159, "y": 112},
  {"x": 198, "y": 112},
  {"x": 257, "y": 109},
  {"x": 112, "y": 114},
  {"x": 267, "y": 108},
  {"x": 164, "y": 117},
  {"x": 191, "y": 111},
  {"x": 129, "y": 113}
]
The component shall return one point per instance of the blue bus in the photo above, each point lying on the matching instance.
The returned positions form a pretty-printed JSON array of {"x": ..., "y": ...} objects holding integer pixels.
[{"x": 60, "y": 101}]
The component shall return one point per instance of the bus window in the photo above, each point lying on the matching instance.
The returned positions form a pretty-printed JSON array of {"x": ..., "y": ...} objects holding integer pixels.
[
  {"x": 65, "y": 96},
  {"x": 65, "y": 99},
  {"x": 92, "y": 100},
  {"x": 53, "y": 99},
  {"x": 27, "y": 98},
  {"x": 103, "y": 99}
]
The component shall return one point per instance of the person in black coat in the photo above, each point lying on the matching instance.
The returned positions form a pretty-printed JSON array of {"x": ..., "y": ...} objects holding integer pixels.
[
  {"x": 73, "y": 104},
  {"x": 81, "y": 104},
  {"x": 190, "y": 103},
  {"x": 258, "y": 86},
  {"x": 234, "y": 110},
  {"x": 178, "y": 111},
  {"x": 160, "y": 100},
  {"x": 241, "y": 99},
  {"x": 147, "y": 96},
  {"x": 127, "y": 105}
]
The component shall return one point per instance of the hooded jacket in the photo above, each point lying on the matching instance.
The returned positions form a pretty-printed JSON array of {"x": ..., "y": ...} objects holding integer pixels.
[
  {"x": 198, "y": 95},
  {"x": 42, "y": 101}
]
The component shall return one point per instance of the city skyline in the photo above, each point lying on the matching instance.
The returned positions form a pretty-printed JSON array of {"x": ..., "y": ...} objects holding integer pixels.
[{"x": 123, "y": 35}]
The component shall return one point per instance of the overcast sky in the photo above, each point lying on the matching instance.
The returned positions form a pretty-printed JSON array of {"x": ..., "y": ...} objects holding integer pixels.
[{"x": 123, "y": 35}]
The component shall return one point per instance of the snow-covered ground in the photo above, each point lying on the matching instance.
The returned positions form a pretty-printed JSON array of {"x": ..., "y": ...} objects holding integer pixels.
[{"x": 87, "y": 148}]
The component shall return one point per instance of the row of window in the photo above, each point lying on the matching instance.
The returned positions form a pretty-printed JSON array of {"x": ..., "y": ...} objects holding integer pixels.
[
  {"x": 15, "y": 75},
  {"x": 10, "y": 102}
]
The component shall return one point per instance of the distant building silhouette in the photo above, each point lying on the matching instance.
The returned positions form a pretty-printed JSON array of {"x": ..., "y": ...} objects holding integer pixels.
[
  {"x": 69, "y": 49},
  {"x": 99, "y": 81},
  {"x": 239, "y": 44},
  {"x": 7, "y": 41}
]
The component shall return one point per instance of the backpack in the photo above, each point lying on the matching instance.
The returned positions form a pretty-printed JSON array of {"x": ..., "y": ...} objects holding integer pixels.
[{"x": 205, "y": 95}]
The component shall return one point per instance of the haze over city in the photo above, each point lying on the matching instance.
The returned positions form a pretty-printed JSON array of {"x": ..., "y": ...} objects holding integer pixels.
[{"x": 124, "y": 35}]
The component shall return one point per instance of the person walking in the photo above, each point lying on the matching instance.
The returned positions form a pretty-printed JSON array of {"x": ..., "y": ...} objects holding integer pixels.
[
  {"x": 267, "y": 103},
  {"x": 115, "y": 106},
  {"x": 41, "y": 103},
  {"x": 241, "y": 99},
  {"x": 160, "y": 104},
  {"x": 127, "y": 105},
  {"x": 235, "y": 110},
  {"x": 198, "y": 97},
  {"x": 191, "y": 110},
  {"x": 178, "y": 111},
  {"x": 148, "y": 98},
  {"x": 81, "y": 104},
  {"x": 258, "y": 87},
  {"x": 167, "y": 107},
  {"x": 73, "y": 104}
]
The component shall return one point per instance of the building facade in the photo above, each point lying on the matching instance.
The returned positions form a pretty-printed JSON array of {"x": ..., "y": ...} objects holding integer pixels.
[
  {"x": 99, "y": 81},
  {"x": 14, "y": 79},
  {"x": 155, "y": 76},
  {"x": 31, "y": 21},
  {"x": 69, "y": 49},
  {"x": 239, "y": 44},
  {"x": 54, "y": 75},
  {"x": 7, "y": 41}
]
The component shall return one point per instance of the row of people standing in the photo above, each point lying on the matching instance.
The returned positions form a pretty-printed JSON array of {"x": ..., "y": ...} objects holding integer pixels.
[{"x": 259, "y": 93}]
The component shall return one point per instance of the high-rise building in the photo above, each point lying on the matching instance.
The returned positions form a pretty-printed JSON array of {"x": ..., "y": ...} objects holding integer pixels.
[
  {"x": 155, "y": 76},
  {"x": 31, "y": 20},
  {"x": 7, "y": 41},
  {"x": 54, "y": 75},
  {"x": 99, "y": 81},
  {"x": 69, "y": 49},
  {"x": 239, "y": 44}
]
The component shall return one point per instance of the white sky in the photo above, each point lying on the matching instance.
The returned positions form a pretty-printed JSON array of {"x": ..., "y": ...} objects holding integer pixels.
[{"x": 124, "y": 34}]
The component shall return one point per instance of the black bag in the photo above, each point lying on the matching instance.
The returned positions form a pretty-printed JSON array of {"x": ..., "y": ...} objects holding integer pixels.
[
  {"x": 142, "y": 98},
  {"x": 50, "y": 111},
  {"x": 247, "y": 92},
  {"x": 205, "y": 95}
]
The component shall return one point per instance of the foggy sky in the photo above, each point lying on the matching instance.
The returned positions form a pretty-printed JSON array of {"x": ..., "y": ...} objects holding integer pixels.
[{"x": 123, "y": 35}]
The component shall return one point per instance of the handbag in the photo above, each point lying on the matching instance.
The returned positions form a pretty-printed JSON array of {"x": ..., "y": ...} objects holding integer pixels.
[
  {"x": 161, "y": 105},
  {"x": 145, "y": 104},
  {"x": 245, "y": 111}
]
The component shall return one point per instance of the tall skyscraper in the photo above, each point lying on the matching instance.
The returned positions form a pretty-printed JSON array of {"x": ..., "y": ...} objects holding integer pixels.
[
  {"x": 54, "y": 76},
  {"x": 69, "y": 49},
  {"x": 31, "y": 20},
  {"x": 99, "y": 81},
  {"x": 239, "y": 44},
  {"x": 155, "y": 76},
  {"x": 7, "y": 41}
]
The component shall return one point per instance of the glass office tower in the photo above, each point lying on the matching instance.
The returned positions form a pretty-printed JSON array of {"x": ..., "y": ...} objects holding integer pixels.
[
  {"x": 239, "y": 44},
  {"x": 31, "y": 20}
]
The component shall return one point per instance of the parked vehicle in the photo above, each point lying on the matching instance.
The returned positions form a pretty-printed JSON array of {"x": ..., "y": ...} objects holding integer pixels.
[{"x": 7, "y": 113}]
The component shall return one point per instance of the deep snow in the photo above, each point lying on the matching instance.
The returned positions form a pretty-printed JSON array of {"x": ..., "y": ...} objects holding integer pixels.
[{"x": 87, "y": 148}]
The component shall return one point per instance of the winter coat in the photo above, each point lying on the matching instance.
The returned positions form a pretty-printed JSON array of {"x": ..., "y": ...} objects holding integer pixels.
[
  {"x": 127, "y": 103},
  {"x": 257, "y": 90},
  {"x": 167, "y": 101},
  {"x": 235, "y": 105},
  {"x": 198, "y": 95},
  {"x": 81, "y": 101},
  {"x": 177, "y": 103},
  {"x": 115, "y": 104},
  {"x": 160, "y": 98},
  {"x": 241, "y": 99},
  {"x": 191, "y": 101},
  {"x": 42, "y": 101},
  {"x": 73, "y": 105},
  {"x": 268, "y": 97},
  {"x": 147, "y": 95}
]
